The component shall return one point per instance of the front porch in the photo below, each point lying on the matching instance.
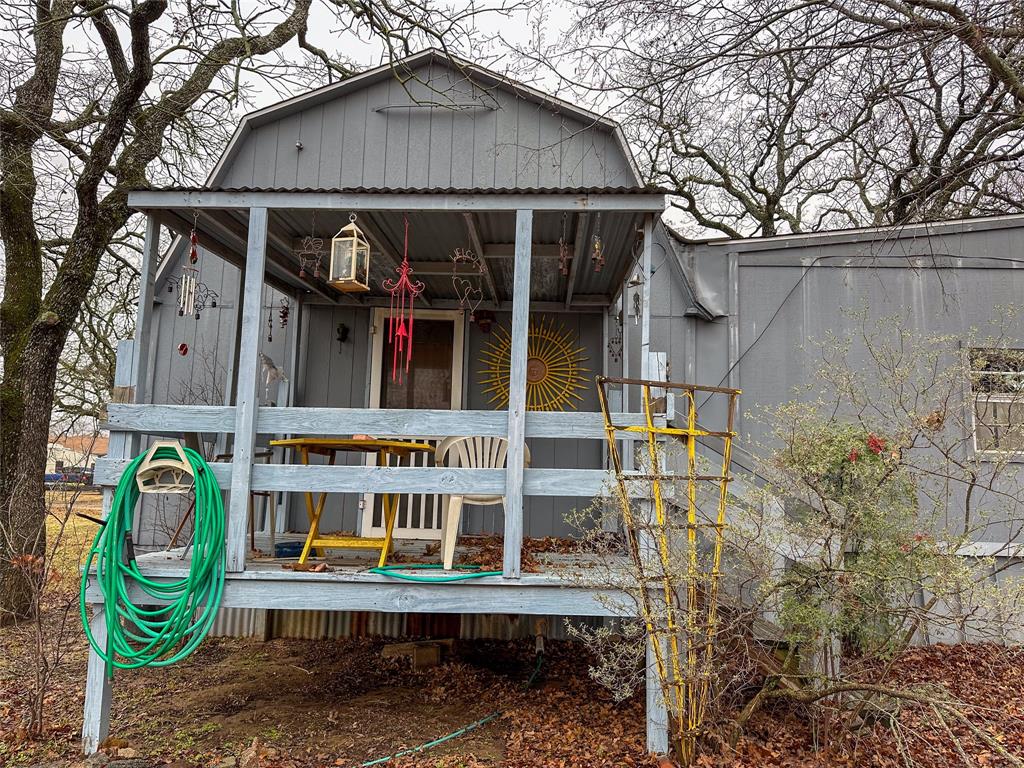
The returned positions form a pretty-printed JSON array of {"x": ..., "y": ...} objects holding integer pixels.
[
  {"x": 520, "y": 237},
  {"x": 519, "y": 252}
]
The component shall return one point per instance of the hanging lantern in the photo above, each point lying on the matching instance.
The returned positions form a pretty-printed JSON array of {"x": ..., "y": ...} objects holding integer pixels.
[{"x": 350, "y": 259}]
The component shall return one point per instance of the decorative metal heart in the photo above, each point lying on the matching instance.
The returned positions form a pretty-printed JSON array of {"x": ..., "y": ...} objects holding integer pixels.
[{"x": 468, "y": 293}]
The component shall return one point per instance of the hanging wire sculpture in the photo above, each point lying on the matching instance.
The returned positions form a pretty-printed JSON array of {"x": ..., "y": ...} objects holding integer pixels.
[
  {"x": 597, "y": 247},
  {"x": 615, "y": 340},
  {"x": 636, "y": 282},
  {"x": 468, "y": 281},
  {"x": 554, "y": 367},
  {"x": 194, "y": 295},
  {"x": 404, "y": 291},
  {"x": 564, "y": 252},
  {"x": 311, "y": 254}
]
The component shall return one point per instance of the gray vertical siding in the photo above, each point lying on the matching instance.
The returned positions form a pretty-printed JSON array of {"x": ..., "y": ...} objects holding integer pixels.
[
  {"x": 544, "y": 516},
  {"x": 795, "y": 291},
  {"x": 201, "y": 376},
  {"x": 333, "y": 375},
  {"x": 350, "y": 141}
]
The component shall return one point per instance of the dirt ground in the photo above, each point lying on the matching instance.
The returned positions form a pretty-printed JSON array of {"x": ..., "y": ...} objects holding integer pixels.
[
  {"x": 337, "y": 702},
  {"x": 314, "y": 703}
]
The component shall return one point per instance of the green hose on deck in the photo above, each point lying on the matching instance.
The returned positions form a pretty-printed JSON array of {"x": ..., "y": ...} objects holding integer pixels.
[
  {"x": 395, "y": 572},
  {"x": 141, "y": 636}
]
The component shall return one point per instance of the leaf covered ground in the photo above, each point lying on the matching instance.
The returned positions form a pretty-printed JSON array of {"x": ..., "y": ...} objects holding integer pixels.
[{"x": 304, "y": 703}]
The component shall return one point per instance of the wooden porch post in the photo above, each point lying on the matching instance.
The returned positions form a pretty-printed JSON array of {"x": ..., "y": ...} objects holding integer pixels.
[
  {"x": 144, "y": 312},
  {"x": 657, "y": 714},
  {"x": 96, "y": 715},
  {"x": 517, "y": 396},
  {"x": 246, "y": 395},
  {"x": 645, "y": 310}
]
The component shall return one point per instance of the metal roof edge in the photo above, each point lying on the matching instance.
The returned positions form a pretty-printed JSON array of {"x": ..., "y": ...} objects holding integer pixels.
[{"x": 860, "y": 234}]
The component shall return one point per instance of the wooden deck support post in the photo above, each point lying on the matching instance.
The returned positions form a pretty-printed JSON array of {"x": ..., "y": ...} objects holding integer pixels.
[
  {"x": 96, "y": 715},
  {"x": 96, "y": 712},
  {"x": 517, "y": 396},
  {"x": 657, "y": 714},
  {"x": 247, "y": 393}
]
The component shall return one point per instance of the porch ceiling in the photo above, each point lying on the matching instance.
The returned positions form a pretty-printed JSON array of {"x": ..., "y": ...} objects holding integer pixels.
[{"x": 434, "y": 234}]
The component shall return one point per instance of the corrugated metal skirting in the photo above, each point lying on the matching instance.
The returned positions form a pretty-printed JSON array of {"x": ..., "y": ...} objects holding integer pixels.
[{"x": 319, "y": 625}]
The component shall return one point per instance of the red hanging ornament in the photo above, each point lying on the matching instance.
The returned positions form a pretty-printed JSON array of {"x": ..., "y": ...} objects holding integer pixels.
[
  {"x": 403, "y": 292},
  {"x": 193, "y": 254}
]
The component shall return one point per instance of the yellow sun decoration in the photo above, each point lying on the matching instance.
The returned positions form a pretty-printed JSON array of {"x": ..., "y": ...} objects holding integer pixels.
[{"x": 554, "y": 370}]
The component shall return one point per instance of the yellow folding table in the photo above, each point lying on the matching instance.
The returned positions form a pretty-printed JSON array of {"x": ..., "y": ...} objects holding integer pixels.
[{"x": 331, "y": 447}]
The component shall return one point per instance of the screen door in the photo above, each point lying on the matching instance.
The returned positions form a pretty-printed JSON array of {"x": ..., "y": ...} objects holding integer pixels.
[{"x": 433, "y": 381}]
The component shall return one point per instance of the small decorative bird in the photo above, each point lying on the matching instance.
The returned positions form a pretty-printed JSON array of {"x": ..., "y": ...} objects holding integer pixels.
[{"x": 271, "y": 374}]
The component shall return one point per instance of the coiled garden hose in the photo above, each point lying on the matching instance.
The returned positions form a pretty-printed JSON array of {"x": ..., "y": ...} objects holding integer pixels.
[
  {"x": 139, "y": 636},
  {"x": 395, "y": 571}
]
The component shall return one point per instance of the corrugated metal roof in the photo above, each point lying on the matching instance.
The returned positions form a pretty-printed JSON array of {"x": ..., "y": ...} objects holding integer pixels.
[
  {"x": 434, "y": 236},
  {"x": 433, "y": 190}
]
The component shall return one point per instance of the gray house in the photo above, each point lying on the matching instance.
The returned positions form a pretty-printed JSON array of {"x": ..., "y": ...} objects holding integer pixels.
[
  {"x": 542, "y": 263},
  {"x": 523, "y": 220}
]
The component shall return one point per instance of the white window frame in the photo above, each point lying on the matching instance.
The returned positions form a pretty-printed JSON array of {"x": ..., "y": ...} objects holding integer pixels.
[{"x": 999, "y": 397}]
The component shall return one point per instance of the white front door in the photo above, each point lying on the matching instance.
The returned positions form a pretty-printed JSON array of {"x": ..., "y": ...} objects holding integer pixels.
[{"x": 433, "y": 381}]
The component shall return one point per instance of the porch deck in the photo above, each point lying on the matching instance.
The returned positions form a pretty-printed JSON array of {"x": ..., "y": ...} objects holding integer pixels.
[{"x": 559, "y": 586}]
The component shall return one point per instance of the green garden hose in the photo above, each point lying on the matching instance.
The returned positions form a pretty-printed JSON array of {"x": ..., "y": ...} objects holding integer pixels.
[
  {"x": 395, "y": 571},
  {"x": 461, "y": 731},
  {"x": 139, "y": 636}
]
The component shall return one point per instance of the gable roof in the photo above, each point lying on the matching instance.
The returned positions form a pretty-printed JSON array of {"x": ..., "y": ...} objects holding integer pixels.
[
  {"x": 246, "y": 163},
  {"x": 478, "y": 74}
]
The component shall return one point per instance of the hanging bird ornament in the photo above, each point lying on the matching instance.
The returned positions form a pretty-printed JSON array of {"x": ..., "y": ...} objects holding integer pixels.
[
  {"x": 404, "y": 291},
  {"x": 597, "y": 248},
  {"x": 564, "y": 252}
]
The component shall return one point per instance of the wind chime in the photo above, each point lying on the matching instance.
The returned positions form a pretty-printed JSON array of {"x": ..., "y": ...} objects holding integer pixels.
[
  {"x": 194, "y": 295},
  {"x": 597, "y": 247},
  {"x": 564, "y": 252},
  {"x": 635, "y": 282},
  {"x": 468, "y": 290},
  {"x": 404, "y": 291},
  {"x": 283, "y": 308}
]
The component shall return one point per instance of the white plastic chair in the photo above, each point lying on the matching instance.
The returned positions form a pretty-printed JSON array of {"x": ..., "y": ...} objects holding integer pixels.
[{"x": 469, "y": 453}]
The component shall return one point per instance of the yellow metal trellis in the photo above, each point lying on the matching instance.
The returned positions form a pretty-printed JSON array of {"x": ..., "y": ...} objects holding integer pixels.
[{"x": 684, "y": 673}]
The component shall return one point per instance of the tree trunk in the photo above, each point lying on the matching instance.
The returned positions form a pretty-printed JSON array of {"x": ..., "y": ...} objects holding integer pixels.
[
  {"x": 24, "y": 524},
  {"x": 21, "y": 495}
]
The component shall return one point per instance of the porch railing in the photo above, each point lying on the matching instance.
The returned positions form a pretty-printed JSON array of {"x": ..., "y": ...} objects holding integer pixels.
[{"x": 150, "y": 419}]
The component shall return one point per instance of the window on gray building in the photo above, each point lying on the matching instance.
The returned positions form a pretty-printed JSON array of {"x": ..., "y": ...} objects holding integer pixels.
[{"x": 997, "y": 391}]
